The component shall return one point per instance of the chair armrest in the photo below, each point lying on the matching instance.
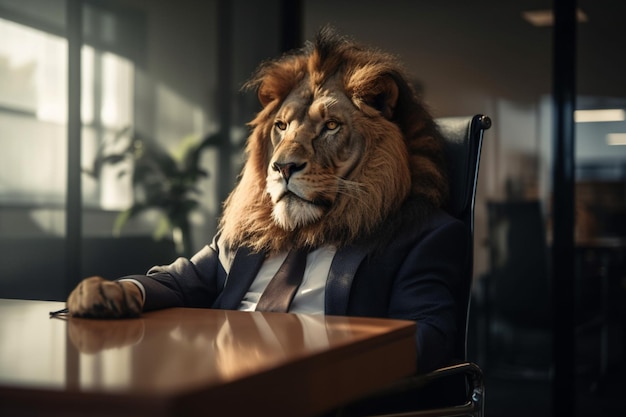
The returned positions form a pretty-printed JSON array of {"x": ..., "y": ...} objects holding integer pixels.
[{"x": 473, "y": 405}]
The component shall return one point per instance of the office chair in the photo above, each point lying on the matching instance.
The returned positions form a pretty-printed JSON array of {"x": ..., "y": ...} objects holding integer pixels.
[{"x": 463, "y": 140}]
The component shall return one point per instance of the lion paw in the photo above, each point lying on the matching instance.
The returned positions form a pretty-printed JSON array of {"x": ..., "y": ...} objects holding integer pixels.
[{"x": 96, "y": 297}]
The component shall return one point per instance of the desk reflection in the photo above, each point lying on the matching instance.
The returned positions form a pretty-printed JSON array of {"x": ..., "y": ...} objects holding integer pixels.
[
  {"x": 89, "y": 336},
  {"x": 225, "y": 345}
]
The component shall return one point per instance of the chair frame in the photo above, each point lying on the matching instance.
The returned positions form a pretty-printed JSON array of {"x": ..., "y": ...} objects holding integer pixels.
[
  {"x": 476, "y": 127},
  {"x": 474, "y": 404}
]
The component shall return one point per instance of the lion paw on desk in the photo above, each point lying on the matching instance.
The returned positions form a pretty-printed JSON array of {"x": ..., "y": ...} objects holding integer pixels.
[{"x": 96, "y": 297}]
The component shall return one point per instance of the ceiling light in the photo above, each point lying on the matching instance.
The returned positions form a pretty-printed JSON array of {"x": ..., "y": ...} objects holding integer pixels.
[
  {"x": 616, "y": 138},
  {"x": 600, "y": 115},
  {"x": 543, "y": 18}
]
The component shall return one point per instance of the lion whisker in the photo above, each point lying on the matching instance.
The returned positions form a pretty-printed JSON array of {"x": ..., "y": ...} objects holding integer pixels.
[{"x": 355, "y": 190}]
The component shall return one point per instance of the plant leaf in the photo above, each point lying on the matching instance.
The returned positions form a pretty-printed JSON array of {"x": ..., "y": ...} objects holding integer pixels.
[{"x": 125, "y": 216}]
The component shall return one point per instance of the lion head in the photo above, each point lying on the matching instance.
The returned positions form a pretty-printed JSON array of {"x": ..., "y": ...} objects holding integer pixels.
[{"x": 341, "y": 147}]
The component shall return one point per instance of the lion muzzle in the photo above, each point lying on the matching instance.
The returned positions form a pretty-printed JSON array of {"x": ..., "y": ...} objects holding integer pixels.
[{"x": 286, "y": 170}]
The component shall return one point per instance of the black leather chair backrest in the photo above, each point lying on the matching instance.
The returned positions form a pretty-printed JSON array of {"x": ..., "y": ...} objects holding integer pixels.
[
  {"x": 461, "y": 383},
  {"x": 463, "y": 141}
]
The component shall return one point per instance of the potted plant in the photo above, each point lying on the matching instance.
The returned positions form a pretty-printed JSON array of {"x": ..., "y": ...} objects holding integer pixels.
[{"x": 161, "y": 180}]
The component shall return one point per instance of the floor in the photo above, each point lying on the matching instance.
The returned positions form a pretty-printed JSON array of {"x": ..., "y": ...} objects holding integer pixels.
[
  {"x": 518, "y": 397},
  {"x": 518, "y": 381}
]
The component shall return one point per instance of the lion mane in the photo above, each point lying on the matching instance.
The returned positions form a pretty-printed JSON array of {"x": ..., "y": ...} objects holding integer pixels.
[{"x": 356, "y": 140}]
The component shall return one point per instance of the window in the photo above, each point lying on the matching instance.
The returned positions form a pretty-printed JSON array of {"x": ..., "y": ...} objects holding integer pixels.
[
  {"x": 33, "y": 114},
  {"x": 106, "y": 110}
]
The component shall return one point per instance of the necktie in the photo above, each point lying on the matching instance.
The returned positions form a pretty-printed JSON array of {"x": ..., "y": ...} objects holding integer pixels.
[{"x": 283, "y": 286}]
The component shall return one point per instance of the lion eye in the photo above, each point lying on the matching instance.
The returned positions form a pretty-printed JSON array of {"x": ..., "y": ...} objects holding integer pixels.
[
  {"x": 331, "y": 125},
  {"x": 280, "y": 125}
]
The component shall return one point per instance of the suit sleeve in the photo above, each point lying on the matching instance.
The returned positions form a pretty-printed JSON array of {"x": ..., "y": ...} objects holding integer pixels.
[
  {"x": 185, "y": 282},
  {"x": 425, "y": 287}
]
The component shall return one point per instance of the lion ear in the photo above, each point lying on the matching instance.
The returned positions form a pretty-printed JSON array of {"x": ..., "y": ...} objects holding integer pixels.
[
  {"x": 265, "y": 95},
  {"x": 383, "y": 96}
]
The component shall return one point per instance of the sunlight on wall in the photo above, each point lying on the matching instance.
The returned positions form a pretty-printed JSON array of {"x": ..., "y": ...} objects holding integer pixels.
[
  {"x": 32, "y": 161},
  {"x": 33, "y": 71},
  {"x": 33, "y": 95},
  {"x": 106, "y": 109},
  {"x": 117, "y": 91}
]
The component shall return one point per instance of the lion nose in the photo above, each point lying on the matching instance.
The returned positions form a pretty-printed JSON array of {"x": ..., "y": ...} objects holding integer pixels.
[{"x": 287, "y": 169}]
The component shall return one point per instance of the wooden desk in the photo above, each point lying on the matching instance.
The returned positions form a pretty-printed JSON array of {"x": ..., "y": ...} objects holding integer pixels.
[{"x": 184, "y": 362}]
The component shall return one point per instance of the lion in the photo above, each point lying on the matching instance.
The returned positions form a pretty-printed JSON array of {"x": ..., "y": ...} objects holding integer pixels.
[
  {"x": 346, "y": 122},
  {"x": 345, "y": 160}
]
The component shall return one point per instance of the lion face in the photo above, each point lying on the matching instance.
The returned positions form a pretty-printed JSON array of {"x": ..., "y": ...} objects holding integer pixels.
[
  {"x": 315, "y": 149},
  {"x": 339, "y": 147}
]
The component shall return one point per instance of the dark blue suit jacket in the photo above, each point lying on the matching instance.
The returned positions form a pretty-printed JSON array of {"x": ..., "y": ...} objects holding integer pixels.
[{"x": 417, "y": 276}]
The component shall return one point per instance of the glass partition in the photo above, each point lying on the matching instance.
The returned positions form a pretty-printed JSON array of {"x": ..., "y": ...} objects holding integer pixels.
[{"x": 600, "y": 225}]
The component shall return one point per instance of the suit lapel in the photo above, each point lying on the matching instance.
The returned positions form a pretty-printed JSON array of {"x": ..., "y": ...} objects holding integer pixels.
[
  {"x": 244, "y": 268},
  {"x": 246, "y": 265},
  {"x": 342, "y": 271}
]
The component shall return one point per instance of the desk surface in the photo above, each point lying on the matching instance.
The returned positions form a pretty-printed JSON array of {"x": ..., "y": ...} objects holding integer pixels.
[{"x": 194, "y": 361}]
